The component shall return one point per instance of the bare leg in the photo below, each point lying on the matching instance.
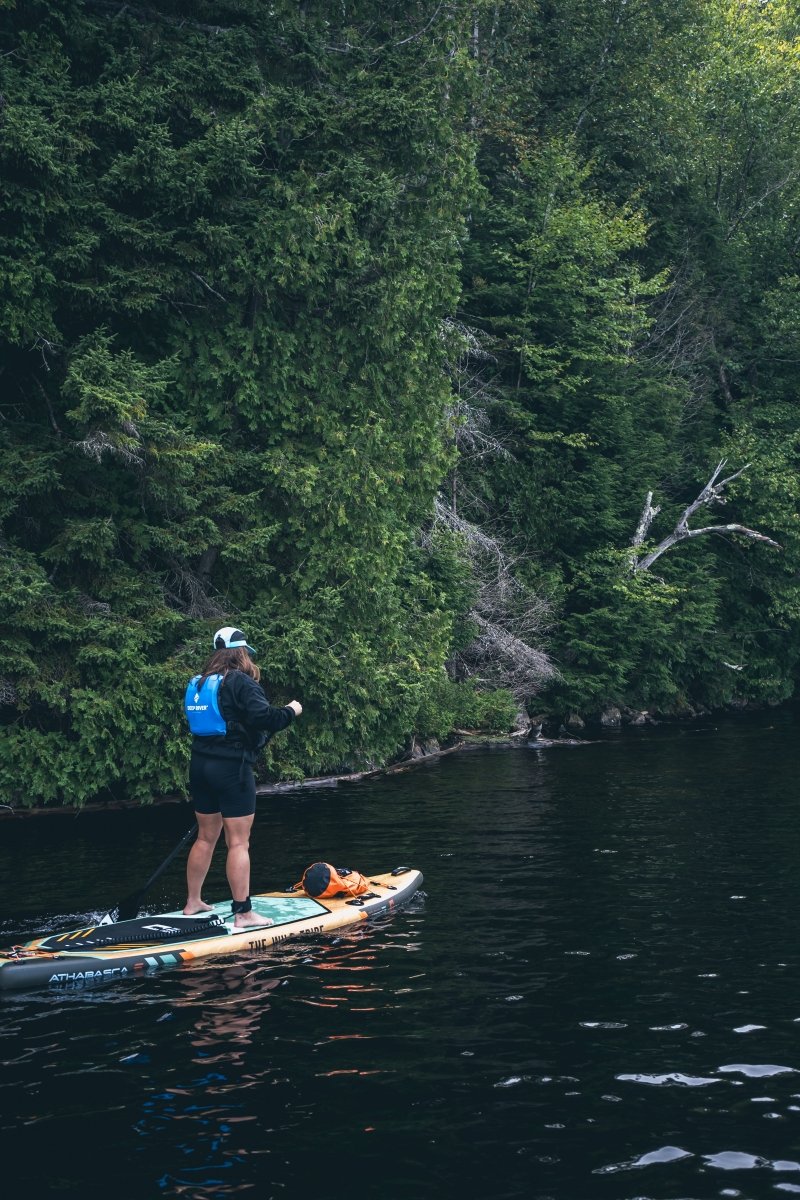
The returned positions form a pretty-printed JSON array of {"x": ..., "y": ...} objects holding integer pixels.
[
  {"x": 200, "y": 855},
  {"x": 237, "y": 867}
]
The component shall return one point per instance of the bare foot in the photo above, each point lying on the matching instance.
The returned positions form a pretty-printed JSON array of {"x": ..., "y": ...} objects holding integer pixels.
[
  {"x": 192, "y": 910},
  {"x": 250, "y": 919}
]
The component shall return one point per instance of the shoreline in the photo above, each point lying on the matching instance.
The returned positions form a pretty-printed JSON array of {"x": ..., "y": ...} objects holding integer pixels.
[
  {"x": 418, "y": 757},
  {"x": 419, "y": 753}
]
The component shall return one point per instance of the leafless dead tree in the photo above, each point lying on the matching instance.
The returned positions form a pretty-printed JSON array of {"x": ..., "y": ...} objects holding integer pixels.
[
  {"x": 712, "y": 493},
  {"x": 470, "y": 365},
  {"x": 512, "y": 620}
]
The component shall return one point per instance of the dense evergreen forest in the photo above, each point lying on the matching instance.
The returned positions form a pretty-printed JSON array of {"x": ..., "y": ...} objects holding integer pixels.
[{"x": 419, "y": 339}]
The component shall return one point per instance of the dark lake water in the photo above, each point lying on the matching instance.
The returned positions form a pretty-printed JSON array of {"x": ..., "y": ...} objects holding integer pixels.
[{"x": 594, "y": 998}]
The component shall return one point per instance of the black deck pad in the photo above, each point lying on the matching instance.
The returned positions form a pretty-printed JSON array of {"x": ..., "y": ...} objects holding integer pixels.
[{"x": 143, "y": 931}]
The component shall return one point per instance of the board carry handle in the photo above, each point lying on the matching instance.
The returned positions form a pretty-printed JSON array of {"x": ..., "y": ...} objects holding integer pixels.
[{"x": 358, "y": 902}]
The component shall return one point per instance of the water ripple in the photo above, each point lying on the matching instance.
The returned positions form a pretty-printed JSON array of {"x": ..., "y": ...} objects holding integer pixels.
[
  {"x": 449, "y": 1049},
  {"x": 670, "y": 1077},
  {"x": 756, "y": 1070},
  {"x": 665, "y": 1154}
]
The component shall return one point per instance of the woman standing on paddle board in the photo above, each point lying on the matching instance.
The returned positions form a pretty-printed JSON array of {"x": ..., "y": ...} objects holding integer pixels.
[{"x": 231, "y": 720}]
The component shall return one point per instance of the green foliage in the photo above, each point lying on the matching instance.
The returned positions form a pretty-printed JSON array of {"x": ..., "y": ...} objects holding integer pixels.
[
  {"x": 450, "y": 706},
  {"x": 635, "y": 258},
  {"x": 637, "y": 639},
  {"x": 233, "y": 239},
  {"x": 225, "y": 260}
]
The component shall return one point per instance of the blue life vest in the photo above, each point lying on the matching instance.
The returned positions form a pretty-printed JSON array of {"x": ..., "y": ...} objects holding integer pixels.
[{"x": 201, "y": 706}]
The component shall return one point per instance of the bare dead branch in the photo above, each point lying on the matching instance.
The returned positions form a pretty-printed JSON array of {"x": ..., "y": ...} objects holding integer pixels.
[
  {"x": 498, "y": 656},
  {"x": 46, "y": 348},
  {"x": 712, "y": 493},
  {"x": 649, "y": 514},
  {"x": 93, "y": 607},
  {"x": 49, "y": 406},
  {"x": 208, "y": 286},
  {"x": 743, "y": 529},
  {"x": 512, "y": 620},
  {"x": 189, "y": 593},
  {"x": 97, "y": 443},
  {"x": 778, "y": 186},
  {"x": 413, "y": 37}
]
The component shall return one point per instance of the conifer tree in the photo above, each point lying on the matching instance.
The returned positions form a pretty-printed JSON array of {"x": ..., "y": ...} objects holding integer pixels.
[{"x": 229, "y": 238}]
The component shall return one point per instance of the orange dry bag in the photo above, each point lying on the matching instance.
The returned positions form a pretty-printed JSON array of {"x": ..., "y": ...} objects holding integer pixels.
[{"x": 324, "y": 882}]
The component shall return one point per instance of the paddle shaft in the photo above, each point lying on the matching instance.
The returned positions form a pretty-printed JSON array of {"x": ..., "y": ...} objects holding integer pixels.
[{"x": 128, "y": 907}]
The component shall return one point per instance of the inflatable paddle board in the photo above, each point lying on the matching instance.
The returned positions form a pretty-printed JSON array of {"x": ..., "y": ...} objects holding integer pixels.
[{"x": 126, "y": 949}]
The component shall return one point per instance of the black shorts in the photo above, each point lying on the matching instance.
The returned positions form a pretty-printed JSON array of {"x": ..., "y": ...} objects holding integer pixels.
[{"x": 222, "y": 785}]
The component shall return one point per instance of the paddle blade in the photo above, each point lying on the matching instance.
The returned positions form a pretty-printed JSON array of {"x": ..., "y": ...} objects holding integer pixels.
[
  {"x": 123, "y": 910},
  {"x": 128, "y": 908}
]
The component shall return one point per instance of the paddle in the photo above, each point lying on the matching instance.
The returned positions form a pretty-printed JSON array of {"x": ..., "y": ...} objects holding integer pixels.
[{"x": 128, "y": 907}]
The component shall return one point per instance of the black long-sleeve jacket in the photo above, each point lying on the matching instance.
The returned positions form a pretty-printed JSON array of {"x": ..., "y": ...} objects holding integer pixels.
[{"x": 250, "y": 717}]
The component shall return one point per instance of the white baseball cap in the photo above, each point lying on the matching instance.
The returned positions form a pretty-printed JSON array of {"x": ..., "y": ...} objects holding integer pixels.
[{"x": 230, "y": 638}]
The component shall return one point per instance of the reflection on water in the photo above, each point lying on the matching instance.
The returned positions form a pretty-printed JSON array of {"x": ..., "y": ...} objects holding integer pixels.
[{"x": 595, "y": 999}]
